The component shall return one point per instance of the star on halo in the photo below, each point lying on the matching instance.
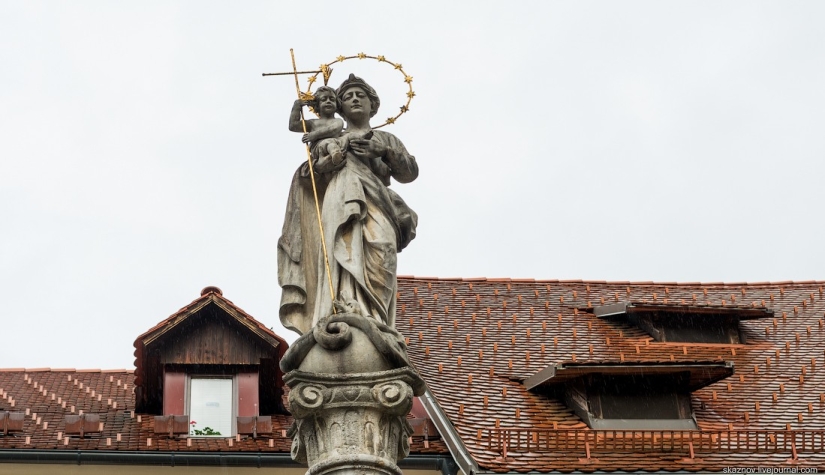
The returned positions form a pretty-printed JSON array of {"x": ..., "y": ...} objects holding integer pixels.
[{"x": 326, "y": 71}]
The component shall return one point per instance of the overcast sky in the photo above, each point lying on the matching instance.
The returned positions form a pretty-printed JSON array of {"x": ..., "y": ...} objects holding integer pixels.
[{"x": 144, "y": 157}]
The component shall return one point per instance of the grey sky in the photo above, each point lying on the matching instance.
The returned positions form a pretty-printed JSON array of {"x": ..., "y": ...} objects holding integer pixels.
[{"x": 143, "y": 156}]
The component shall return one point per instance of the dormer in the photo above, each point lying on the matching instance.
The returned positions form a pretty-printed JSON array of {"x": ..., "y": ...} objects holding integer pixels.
[
  {"x": 685, "y": 323},
  {"x": 212, "y": 362},
  {"x": 629, "y": 396}
]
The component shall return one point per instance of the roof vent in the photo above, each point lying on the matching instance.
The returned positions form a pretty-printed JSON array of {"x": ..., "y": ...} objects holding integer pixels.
[
  {"x": 172, "y": 425},
  {"x": 254, "y": 425},
  {"x": 83, "y": 424},
  {"x": 11, "y": 421},
  {"x": 211, "y": 289}
]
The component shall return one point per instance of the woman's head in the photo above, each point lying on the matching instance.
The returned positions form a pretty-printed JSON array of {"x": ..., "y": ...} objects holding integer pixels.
[{"x": 350, "y": 87}]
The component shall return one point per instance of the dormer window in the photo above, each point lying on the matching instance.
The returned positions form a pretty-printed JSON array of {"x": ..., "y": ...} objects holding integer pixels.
[
  {"x": 212, "y": 363},
  {"x": 629, "y": 396},
  {"x": 685, "y": 323}
]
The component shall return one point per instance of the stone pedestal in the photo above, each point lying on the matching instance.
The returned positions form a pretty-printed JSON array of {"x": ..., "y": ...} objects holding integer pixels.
[
  {"x": 351, "y": 389},
  {"x": 354, "y": 423}
]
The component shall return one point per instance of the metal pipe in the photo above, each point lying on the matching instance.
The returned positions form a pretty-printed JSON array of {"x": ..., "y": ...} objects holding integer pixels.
[{"x": 461, "y": 456}]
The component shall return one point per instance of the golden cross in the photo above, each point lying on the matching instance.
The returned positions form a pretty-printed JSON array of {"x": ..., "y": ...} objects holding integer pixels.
[{"x": 325, "y": 70}]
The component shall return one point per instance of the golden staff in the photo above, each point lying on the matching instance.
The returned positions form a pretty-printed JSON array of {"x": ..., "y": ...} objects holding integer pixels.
[{"x": 314, "y": 189}]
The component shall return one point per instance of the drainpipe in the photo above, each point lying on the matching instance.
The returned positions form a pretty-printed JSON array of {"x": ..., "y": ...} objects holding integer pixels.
[{"x": 459, "y": 451}]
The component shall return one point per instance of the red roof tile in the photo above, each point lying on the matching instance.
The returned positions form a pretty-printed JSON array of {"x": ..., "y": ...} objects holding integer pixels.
[{"x": 475, "y": 341}]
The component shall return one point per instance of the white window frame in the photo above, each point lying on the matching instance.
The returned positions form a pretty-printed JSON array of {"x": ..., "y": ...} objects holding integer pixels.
[{"x": 234, "y": 414}]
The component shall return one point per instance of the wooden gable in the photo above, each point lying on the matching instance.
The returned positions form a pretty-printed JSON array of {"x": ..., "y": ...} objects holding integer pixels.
[{"x": 211, "y": 337}]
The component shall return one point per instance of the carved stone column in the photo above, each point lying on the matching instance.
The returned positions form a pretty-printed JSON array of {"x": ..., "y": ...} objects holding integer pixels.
[{"x": 350, "y": 392}]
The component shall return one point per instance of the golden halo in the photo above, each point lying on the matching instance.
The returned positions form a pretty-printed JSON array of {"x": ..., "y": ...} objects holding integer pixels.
[{"x": 326, "y": 71}]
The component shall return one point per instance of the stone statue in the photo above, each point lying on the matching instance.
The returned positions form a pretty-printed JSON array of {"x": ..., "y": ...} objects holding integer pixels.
[
  {"x": 366, "y": 223},
  {"x": 351, "y": 382}
]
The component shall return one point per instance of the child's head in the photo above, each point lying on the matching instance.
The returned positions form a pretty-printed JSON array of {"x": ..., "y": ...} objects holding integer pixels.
[{"x": 326, "y": 102}]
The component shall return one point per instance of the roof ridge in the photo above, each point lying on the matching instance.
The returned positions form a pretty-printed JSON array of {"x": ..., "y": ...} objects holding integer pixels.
[{"x": 608, "y": 282}]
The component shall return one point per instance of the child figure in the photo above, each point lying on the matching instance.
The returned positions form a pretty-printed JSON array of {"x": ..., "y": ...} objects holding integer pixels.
[
  {"x": 327, "y": 126},
  {"x": 325, "y": 132}
]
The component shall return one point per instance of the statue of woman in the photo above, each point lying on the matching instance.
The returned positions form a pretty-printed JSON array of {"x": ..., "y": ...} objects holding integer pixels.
[{"x": 365, "y": 222}]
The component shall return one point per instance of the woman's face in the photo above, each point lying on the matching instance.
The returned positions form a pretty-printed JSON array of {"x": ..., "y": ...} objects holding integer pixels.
[{"x": 355, "y": 103}]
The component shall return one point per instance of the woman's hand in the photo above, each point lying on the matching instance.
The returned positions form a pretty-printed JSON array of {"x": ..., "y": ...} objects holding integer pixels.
[{"x": 367, "y": 148}]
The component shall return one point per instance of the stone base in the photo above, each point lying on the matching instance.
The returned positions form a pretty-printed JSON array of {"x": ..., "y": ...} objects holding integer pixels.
[
  {"x": 355, "y": 465},
  {"x": 351, "y": 423}
]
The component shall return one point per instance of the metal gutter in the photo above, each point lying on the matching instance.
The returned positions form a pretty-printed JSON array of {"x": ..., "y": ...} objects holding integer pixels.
[
  {"x": 457, "y": 448},
  {"x": 443, "y": 463}
]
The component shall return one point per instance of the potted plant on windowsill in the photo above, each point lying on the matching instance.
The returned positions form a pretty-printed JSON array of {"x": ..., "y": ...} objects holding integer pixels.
[{"x": 205, "y": 432}]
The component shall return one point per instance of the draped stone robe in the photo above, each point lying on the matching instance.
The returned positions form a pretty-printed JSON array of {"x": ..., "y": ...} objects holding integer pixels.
[{"x": 365, "y": 225}]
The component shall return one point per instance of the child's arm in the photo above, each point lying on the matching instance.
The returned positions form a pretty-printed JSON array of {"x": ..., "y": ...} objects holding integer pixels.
[
  {"x": 329, "y": 129},
  {"x": 295, "y": 117}
]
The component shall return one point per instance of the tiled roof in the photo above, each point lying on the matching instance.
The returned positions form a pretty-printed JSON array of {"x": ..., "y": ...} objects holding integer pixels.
[
  {"x": 475, "y": 340},
  {"x": 41, "y": 394}
]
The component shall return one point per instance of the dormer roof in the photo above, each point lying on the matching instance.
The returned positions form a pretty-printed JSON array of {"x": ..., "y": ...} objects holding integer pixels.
[
  {"x": 742, "y": 312},
  {"x": 701, "y": 373},
  {"x": 209, "y": 295},
  {"x": 159, "y": 345}
]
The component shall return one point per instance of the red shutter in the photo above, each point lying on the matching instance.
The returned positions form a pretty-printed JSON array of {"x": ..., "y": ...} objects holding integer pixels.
[
  {"x": 247, "y": 394},
  {"x": 174, "y": 390}
]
